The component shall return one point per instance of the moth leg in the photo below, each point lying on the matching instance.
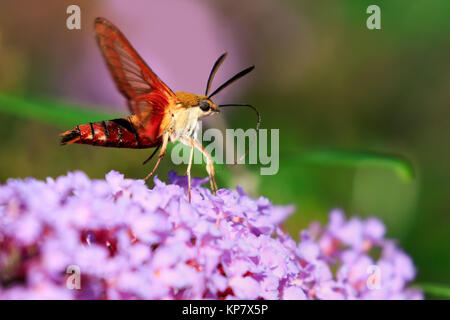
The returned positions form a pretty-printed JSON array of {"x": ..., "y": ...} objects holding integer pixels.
[
  {"x": 211, "y": 173},
  {"x": 188, "y": 171},
  {"x": 209, "y": 165},
  {"x": 160, "y": 156},
  {"x": 152, "y": 155}
]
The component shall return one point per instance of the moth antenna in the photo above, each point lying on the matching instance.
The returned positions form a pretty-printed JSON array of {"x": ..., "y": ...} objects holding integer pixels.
[
  {"x": 214, "y": 69},
  {"x": 231, "y": 80},
  {"x": 257, "y": 126}
]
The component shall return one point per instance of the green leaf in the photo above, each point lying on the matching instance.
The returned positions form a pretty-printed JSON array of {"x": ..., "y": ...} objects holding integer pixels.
[
  {"x": 435, "y": 289},
  {"x": 398, "y": 164},
  {"x": 52, "y": 112}
]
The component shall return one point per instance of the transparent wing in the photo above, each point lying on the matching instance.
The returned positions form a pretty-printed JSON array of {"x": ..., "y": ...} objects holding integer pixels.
[{"x": 132, "y": 76}]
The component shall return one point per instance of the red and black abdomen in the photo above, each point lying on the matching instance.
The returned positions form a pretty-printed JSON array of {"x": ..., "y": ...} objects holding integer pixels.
[{"x": 118, "y": 133}]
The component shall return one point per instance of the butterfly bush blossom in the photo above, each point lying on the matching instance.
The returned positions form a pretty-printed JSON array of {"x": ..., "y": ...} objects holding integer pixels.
[{"x": 131, "y": 242}]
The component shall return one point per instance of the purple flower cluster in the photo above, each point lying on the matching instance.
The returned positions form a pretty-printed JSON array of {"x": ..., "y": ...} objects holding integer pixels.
[{"x": 118, "y": 239}]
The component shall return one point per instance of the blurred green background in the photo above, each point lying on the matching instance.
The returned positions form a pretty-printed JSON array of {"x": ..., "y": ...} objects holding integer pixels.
[{"x": 321, "y": 77}]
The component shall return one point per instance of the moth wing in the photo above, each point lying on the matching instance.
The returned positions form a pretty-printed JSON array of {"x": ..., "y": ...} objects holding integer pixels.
[{"x": 148, "y": 96}]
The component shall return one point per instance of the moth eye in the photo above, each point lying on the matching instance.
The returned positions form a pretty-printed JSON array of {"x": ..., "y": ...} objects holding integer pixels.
[{"x": 204, "y": 106}]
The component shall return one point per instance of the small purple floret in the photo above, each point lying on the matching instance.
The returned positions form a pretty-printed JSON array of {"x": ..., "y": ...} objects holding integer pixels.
[{"x": 132, "y": 242}]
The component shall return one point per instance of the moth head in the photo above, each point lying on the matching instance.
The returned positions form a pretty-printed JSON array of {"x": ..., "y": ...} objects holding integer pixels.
[{"x": 207, "y": 107}]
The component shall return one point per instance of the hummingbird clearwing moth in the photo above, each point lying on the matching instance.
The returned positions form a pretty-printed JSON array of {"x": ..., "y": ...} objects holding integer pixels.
[{"x": 158, "y": 115}]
